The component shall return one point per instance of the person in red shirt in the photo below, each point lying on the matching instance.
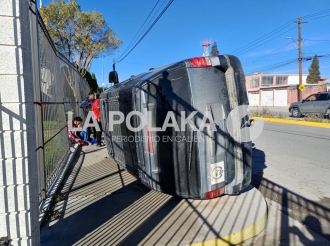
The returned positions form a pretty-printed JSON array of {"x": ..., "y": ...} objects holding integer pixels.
[{"x": 97, "y": 114}]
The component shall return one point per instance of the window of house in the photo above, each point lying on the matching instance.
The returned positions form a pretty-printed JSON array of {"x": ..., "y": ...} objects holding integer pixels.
[
  {"x": 267, "y": 81},
  {"x": 254, "y": 82},
  {"x": 281, "y": 80}
]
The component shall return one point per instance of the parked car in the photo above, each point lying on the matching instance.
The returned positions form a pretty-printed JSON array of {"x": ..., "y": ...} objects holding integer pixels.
[{"x": 318, "y": 103}]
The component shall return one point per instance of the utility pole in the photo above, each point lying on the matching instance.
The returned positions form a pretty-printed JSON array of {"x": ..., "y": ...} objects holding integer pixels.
[
  {"x": 102, "y": 73},
  {"x": 299, "y": 22}
]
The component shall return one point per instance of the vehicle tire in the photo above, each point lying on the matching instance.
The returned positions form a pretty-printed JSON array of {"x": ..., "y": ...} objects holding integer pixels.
[
  {"x": 327, "y": 114},
  {"x": 295, "y": 112}
]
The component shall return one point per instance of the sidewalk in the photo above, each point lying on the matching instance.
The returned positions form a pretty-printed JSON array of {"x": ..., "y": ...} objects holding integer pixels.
[
  {"x": 105, "y": 205},
  {"x": 283, "y": 230}
]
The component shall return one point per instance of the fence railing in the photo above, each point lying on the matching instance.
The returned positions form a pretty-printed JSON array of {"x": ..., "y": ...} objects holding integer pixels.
[{"x": 62, "y": 90}]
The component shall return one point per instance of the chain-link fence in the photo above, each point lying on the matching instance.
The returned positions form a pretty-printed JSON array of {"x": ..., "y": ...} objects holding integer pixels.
[{"x": 62, "y": 90}]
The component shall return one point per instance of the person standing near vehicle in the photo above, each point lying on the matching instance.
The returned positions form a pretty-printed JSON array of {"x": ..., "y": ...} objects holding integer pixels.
[
  {"x": 97, "y": 114},
  {"x": 86, "y": 105}
]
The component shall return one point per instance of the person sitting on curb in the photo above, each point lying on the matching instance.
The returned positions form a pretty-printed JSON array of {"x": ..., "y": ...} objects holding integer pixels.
[{"x": 79, "y": 137}]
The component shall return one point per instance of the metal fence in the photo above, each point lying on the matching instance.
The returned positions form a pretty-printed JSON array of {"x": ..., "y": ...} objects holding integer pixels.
[{"x": 62, "y": 90}]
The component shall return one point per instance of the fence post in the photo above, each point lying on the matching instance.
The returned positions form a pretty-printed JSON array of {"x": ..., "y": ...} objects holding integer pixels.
[
  {"x": 19, "y": 212},
  {"x": 38, "y": 100}
]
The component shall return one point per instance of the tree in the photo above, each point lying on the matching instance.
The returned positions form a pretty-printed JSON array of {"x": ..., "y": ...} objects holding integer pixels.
[
  {"x": 214, "y": 51},
  {"x": 91, "y": 80},
  {"x": 101, "y": 89},
  {"x": 79, "y": 36},
  {"x": 314, "y": 72}
]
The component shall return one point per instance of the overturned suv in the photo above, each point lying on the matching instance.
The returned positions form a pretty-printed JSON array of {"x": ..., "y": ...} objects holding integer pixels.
[
  {"x": 318, "y": 103},
  {"x": 181, "y": 161}
]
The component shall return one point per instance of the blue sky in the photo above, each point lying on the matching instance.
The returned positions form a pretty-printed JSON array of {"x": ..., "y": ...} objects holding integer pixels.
[{"x": 232, "y": 24}]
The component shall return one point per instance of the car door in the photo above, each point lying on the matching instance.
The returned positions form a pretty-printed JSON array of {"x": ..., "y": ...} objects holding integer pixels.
[
  {"x": 307, "y": 105},
  {"x": 321, "y": 104}
]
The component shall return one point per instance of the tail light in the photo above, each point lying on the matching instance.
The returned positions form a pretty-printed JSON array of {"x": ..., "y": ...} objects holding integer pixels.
[
  {"x": 149, "y": 140},
  {"x": 200, "y": 62},
  {"x": 214, "y": 193}
]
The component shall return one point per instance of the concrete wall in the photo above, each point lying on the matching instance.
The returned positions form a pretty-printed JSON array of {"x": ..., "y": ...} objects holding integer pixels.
[
  {"x": 294, "y": 79},
  {"x": 18, "y": 162}
]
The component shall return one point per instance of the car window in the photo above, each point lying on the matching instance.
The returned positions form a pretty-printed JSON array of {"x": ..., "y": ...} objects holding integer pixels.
[
  {"x": 322, "y": 97},
  {"x": 311, "y": 98}
]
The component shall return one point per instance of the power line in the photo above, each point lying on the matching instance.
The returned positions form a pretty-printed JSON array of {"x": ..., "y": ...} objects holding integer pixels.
[
  {"x": 263, "y": 37},
  {"x": 274, "y": 66},
  {"x": 158, "y": 17},
  {"x": 276, "y": 51},
  {"x": 274, "y": 58},
  {"x": 144, "y": 64},
  {"x": 285, "y": 63},
  {"x": 319, "y": 17},
  {"x": 326, "y": 55},
  {"x": 317, "y": 13},
  {"x": 154, "y": 15},
  {"x": 320, "y": 41},
  {"x": 148, "y": 24},
  {"x": 252, "y": 48},
  {"x": 139, "y": 29},
  {"x": 251, "y": 45}
]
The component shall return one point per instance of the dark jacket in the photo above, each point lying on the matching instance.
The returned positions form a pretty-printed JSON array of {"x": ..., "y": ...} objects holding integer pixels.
[{"x": 86, "y": 105}]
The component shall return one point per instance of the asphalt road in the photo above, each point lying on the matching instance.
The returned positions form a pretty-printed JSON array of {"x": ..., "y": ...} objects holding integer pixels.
[{"x": 291, "y": 166}]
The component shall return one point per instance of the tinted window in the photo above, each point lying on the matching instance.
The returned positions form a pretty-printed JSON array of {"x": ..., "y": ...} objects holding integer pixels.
[
  {"x": 311, "y": 98},
  {"x": 323, "y": 97}
]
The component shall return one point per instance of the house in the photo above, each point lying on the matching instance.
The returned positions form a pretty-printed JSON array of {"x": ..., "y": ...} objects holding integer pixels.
[{"x": 277, "y": 89}]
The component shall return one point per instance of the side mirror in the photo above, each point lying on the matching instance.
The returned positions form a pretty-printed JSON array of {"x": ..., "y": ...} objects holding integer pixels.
[
  {"x": 113, "y": 77},
  {"x": 304, "y": 100}
]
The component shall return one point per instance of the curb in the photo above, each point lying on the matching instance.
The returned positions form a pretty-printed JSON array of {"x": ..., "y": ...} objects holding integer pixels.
[
  {"x": 295, "y": 122},
  {"x": 238, "y": 237},
  {"x": 44, "y": 205}
]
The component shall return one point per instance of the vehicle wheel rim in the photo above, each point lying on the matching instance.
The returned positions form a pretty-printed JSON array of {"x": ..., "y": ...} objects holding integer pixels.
[{"x": 295, "y": 112}]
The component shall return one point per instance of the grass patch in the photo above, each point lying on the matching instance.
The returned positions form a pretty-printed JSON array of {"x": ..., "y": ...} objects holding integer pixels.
[
  {"x": 266, "y": 113},
  {"x": 56, "y": 144},
  {"x": 59, "y": 197},
  {"x": 49, "y": 125},
  {"x": 51, "y": 213},
  {"x": 316, "y": 118},
  {"x": 53, "y": 151}
]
